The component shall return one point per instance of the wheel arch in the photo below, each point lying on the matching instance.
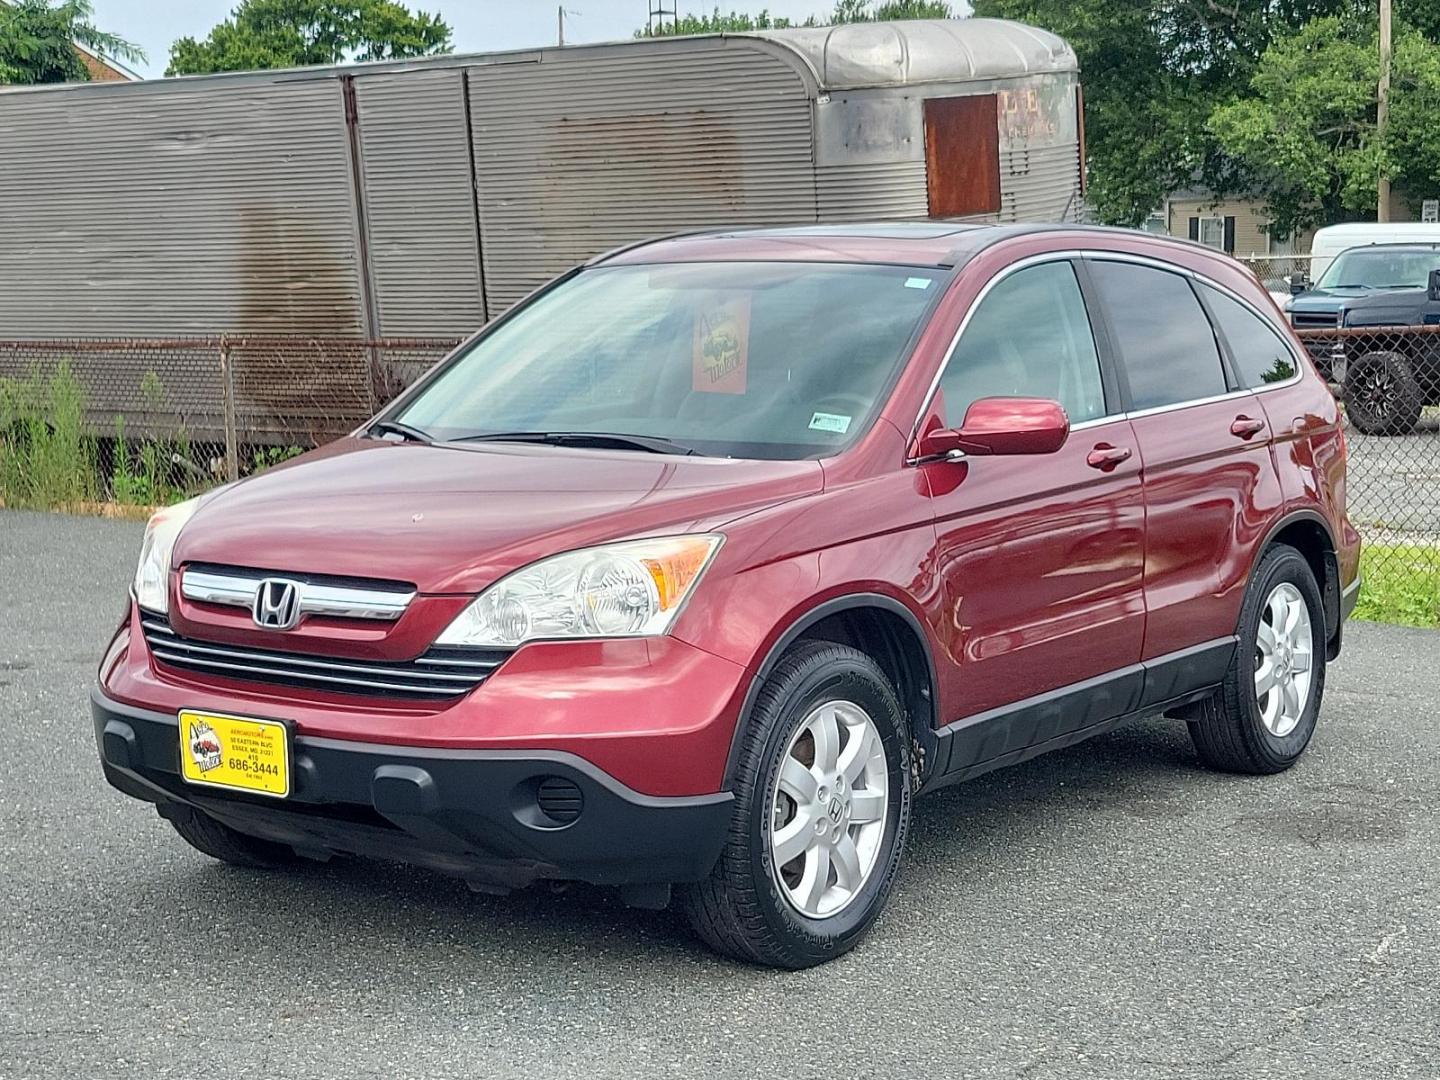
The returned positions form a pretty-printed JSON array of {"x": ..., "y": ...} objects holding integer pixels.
[
  {"x": 1309, "y": 533},
  {"x": 883, "y": 628}
]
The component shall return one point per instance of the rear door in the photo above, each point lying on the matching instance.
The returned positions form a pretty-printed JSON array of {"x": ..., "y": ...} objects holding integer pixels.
[{"x": 1209, "y": 481}]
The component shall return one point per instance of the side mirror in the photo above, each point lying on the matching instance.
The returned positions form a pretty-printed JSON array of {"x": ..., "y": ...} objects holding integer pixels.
[
  {"x": 1002, "y": 425},
  {"x": 1432, "y": 289},
  {"x": 1299, "y": 282}
]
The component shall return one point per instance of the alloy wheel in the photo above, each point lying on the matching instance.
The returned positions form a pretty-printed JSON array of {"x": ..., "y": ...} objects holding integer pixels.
[
  {"x": 828, "y": 808},
  {"x": 1284, "y": 644},
  {"x": 1373, "y": 391}
]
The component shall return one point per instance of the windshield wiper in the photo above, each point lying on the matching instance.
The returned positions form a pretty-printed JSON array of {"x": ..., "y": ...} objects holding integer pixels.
[
  {"x": 651, "y": 443},
  {"x": 405, "y": 431}
]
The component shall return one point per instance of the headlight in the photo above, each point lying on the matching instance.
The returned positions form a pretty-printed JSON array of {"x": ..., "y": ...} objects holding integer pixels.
[
  {"x": 632, "y": 589},
  {"x": 152, "y": 576}
]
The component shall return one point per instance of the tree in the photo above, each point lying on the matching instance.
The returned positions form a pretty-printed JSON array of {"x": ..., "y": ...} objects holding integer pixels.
[
  {"x": 293, "y": 33},
  {"x": 718, "y": 23},
  {"x": 1153, "y": 72},
  {"x": 845, "y": 11},
  {"x": 37, "y": 41},
  {"x": 1307, "y": 132}
]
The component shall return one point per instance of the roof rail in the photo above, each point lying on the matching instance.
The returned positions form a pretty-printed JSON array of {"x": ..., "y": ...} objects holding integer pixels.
[{"x": 683, "y": 234}]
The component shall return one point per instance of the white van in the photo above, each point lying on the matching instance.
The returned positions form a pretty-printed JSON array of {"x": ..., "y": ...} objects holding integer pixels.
[{"x": 1333, "y": 239}]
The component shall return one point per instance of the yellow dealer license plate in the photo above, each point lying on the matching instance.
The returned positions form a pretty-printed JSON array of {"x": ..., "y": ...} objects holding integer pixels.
[{"x": 235, "y": 752}]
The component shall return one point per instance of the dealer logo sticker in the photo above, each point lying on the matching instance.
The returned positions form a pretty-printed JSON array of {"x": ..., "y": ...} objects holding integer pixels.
[{"x": 204, "y": 746}]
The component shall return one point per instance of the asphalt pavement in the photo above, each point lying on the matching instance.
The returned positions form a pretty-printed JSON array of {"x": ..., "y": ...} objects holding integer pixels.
[{"x": 1109, "y": 911}]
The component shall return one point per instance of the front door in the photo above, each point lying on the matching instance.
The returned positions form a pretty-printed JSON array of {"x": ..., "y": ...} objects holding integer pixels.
[{"x": 1041, "y": 557}]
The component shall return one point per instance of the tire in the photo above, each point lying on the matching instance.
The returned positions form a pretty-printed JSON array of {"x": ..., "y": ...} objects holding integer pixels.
[
  {"x": 748, "y": 908},
  {"x": 210, "y": 837},
  {"x": 1382, "y": 395},
  {"x": 1230, "y": 729}
]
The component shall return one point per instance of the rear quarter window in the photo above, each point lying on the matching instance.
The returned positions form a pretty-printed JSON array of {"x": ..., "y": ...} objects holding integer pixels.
[
  {"x": 1165, "y": 340},
  {"x": 1259, "y": 354}
]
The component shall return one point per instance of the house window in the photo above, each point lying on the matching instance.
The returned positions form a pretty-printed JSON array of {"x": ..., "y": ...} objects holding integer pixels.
[{"x": 1214, "y": 232}]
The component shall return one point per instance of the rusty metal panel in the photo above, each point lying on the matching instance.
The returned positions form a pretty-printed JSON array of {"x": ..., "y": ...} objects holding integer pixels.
[
  {"x": 962, "y": 155},
  {"x": 589, "y": 150},
  {"x": 870, "y": 149},
  {"x": 175, "y": 207},
  {"x": 419, "y": 201}
]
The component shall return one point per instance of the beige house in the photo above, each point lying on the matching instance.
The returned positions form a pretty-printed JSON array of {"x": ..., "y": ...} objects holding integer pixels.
[{"x": 1239, "y": 225}]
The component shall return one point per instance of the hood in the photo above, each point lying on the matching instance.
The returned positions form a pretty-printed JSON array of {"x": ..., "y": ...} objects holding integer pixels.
[
  {"x": 1358, "y": 307},
  {"x": 1325, "y": 301},
  {"x": 453, "y": 519}
]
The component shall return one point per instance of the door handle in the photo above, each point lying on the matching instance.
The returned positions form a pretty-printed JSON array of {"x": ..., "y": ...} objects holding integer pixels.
[
  {"x": 1106, "y": 457},
  {"x": 1246, "y": 428}
]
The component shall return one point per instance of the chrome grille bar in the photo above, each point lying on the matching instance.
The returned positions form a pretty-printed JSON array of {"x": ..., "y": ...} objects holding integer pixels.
[
  {"x": 337, "y": 601},
  {"x": 430, "y": 675}
]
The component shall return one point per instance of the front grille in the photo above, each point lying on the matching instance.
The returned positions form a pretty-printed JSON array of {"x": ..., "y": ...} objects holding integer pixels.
[
  {"x": 1313, "y": 320},
  {"x": 439, "y": 673}
]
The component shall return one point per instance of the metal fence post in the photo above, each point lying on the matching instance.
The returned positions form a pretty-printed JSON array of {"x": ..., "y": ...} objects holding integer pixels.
[{"x": 227, "y": 393}]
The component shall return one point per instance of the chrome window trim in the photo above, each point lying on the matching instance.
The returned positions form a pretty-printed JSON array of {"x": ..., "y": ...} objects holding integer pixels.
[
  {"x": 1110, "y": 256},
  {"x": 233, "y": 590}
]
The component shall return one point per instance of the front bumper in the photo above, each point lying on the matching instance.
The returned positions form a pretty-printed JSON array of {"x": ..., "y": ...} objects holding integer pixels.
[{"x": 477, "y": 814}]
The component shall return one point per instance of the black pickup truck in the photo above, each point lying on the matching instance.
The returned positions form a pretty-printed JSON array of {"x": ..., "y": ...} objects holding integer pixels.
[{"x": 1385, "y": 379}]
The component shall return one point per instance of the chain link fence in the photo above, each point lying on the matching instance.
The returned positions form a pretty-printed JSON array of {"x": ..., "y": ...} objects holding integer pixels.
[
  {"x": 1275, "y": 270},
  {"x": 1389, "y": 381},
  {"x": 226, "y": 404},
  {"x": 220, "y": 407}
]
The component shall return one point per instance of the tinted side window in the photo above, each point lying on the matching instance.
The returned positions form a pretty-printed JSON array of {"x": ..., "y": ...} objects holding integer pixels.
[
  {"x": 1260, "y": 355},
  {"x": 1030, "y": 337},
  {"x": 1162, "y": 333}
]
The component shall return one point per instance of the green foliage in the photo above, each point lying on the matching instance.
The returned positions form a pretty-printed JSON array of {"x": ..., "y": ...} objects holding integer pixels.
[
  {"x": 37, "y": 41},
  {"x": 151, "y": 471},
  {"x": 845, "y": 11},
  {"x": 719, "y": 22},
  {"x": 271, "y": 456},
  {"x": 906, "y": 9},
  {"x": 292, "y": 33},
  {"x": 1308, "y": 132},
  {"x": 1401, "y": 584},
  {"x": 46, "y": 459},
  {"x": 1154, "y": 71}
]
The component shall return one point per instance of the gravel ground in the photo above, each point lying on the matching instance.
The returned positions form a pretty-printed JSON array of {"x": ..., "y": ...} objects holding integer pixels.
[{"x": 1109, "y": 911}]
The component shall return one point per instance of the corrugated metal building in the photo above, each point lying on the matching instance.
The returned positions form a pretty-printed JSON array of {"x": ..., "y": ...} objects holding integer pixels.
[{"x": 424, "y": 197}]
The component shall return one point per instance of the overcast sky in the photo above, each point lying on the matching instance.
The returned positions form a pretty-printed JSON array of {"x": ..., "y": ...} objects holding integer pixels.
[{"x": 478, "y": 25}]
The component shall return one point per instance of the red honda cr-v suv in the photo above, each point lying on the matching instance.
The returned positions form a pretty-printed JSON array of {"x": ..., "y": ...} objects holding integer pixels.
[{"x": 697, "y": 566}]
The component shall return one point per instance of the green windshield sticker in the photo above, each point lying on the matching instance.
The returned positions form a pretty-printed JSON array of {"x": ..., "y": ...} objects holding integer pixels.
[
  {"x": 824, "y": 421},
  {"x": 917, "y": 283}
]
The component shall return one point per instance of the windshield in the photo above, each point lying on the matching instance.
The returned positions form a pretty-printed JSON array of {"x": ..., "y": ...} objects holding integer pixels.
[
  {"x": 762, "y": 360},
  {"x": 1380, "y": 268}
]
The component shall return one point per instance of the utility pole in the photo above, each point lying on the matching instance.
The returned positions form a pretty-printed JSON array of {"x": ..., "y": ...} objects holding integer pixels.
[
  {"x": 1382, "y": 112},
  {"x": 562, "y": 24},
  {"x": 655, "y": 22}
]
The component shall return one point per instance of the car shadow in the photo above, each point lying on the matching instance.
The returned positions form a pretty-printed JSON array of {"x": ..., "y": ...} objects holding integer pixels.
[{"x": 393, "y": 914}]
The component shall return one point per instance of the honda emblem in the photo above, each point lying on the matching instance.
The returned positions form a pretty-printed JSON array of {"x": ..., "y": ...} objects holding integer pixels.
[{"x": 277, "y": 604}]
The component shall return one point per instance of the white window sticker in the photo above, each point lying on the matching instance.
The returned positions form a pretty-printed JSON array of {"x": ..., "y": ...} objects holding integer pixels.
[
  {"x": 824, "y": 421},
  {"x": 917, "y": 283}
]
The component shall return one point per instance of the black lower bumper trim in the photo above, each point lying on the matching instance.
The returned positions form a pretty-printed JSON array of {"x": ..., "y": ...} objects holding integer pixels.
[{"x": 476, "y": 814}]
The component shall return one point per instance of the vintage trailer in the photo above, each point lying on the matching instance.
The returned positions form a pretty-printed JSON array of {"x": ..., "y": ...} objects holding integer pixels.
[{"x": 424, "y": 197}]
